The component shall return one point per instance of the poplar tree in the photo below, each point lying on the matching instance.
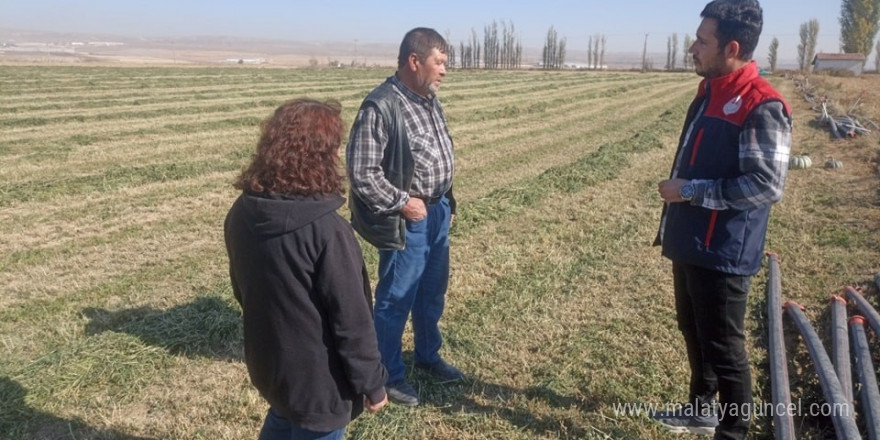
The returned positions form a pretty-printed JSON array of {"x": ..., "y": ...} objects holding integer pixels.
[
  {"x": 774, "y": 47},
  {"x": 877, "y": 57},
  {"x": 859, "y": 20},
  {"x": 560, "y": 54},
  {"x": 686, "y": 58},
  {"x": 492, "y": 50},
  {"x": 451, "y": 52},
  {"x": 550, "y": 47},
  {"x": 465, "y": 56},
  {"x": 475, "y": 44},
  {"x": 809, "y": 33},
  {"x": 812, "y": 39},
  {"x": 674, "y": 51},
  {"x": 802, "y": 48},
  {"x": 590, "y": 52}
]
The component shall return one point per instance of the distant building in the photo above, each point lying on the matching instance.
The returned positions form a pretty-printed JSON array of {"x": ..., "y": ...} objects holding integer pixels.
[
  {"x": 245, "y": 61},
  {"x": 853, "y": 62}
]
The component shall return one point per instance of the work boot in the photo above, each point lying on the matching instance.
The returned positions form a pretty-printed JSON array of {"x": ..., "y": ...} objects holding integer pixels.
[{"x": 402, "y": 394}]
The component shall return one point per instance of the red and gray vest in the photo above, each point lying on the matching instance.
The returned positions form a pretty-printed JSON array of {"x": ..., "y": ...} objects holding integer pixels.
[{"x": 730, "y": 241}]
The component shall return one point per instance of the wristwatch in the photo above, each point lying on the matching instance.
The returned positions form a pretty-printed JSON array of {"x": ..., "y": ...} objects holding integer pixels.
[{"x": 687, "y": 191}]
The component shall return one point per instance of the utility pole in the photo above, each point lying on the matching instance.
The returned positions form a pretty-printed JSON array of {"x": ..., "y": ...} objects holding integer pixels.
[{"x": 356, "y": 50}]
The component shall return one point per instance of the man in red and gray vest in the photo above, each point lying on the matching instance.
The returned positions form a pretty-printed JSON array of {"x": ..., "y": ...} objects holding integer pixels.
[{"x": 730, "y": 167}]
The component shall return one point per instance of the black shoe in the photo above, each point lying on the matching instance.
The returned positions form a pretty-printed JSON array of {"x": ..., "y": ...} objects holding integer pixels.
[
  {"x": 402, "y": 393},
  {"x": 689, "y": 419},
  {"x": 442, "y": 371}
]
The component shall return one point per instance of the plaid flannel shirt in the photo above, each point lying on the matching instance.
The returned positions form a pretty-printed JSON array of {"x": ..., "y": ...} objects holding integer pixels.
[
  {"x": 430, "y": 143},
  {"x": 764, "y": 148}
]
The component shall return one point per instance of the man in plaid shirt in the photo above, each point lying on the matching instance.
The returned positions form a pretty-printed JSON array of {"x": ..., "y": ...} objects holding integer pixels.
[
  {"x": 729, "y": 169},
  {"x": 400, "y": 163}
]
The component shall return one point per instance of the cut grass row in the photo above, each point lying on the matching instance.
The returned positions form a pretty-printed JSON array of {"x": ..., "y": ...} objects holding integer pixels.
[
  {"x": 41, "y": 180},
  {"x": 229, "y": 102},
  {"x": 532, "y": 148}
]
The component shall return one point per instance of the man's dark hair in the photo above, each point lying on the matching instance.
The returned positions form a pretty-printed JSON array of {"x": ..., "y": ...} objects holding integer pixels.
[
  {"x": 420, "y": 41},
  {"x": 738, "y": 20}
]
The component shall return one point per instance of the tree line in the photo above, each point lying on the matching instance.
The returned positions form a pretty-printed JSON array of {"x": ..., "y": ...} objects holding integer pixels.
[
  {"x": 501, "y": 47},
  {"x": 859, "y": 23}
]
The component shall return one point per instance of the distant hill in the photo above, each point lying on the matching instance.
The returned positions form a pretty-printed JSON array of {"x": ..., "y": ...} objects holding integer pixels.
[
  {"x": 22, "y": 45},
  {"x": 18, "y": 45}
]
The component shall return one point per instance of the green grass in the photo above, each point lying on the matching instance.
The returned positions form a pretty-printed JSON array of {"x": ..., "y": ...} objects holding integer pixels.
[{"x": 118, "y": 321}]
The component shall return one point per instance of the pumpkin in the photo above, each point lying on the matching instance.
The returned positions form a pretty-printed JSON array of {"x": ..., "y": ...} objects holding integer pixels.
[
  {"x": 833, "y": 163},
  {"x": 800, "y": 162}
]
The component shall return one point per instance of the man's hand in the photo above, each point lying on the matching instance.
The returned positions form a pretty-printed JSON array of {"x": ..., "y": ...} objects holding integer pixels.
[
  {"x": 670, "y": 190},
  {"x": 373, "y": 408},
  {"x": 414, "y": 210}
]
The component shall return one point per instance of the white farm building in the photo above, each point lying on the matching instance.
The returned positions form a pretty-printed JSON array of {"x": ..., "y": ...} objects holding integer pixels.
[{"x": 853, "y": 62}]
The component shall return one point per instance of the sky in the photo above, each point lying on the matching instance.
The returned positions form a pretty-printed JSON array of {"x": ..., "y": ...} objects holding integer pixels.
[{"x": 624, "y": 24}]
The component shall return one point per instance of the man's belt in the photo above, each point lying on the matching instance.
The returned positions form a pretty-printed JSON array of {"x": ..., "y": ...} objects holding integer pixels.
[{"x": 429, "y": 200}]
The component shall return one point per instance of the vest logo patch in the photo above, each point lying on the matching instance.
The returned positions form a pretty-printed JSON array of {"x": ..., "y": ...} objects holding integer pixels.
[{"x": 733, "y": 106}]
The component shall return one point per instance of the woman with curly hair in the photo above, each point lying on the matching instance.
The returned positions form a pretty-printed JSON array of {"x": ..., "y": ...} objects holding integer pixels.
[{"x": 298, "y": 273}]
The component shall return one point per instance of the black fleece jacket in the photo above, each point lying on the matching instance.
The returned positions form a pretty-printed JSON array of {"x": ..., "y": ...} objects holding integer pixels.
[{"x": 298, "y": 273}]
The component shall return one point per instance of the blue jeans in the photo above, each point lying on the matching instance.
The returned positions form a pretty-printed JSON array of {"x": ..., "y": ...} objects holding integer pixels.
[
  {"x": 276, "y": 427},
  {"x": 414, "y": 280},
  {"x": 711, "y": 310}
]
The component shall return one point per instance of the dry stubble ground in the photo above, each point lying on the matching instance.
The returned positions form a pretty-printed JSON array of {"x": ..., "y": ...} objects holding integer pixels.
[{"x": 117, "y": 319}]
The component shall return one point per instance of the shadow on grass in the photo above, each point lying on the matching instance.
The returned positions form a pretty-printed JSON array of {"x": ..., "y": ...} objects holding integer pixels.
[
  {"x": 206, "y": 327},
  {"x": 19, "y": 421},
  {"x": 476, "y": 396}
]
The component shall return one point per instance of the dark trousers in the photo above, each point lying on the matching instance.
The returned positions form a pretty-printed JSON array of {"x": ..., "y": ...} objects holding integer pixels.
[{"x": 711, "y": 310}]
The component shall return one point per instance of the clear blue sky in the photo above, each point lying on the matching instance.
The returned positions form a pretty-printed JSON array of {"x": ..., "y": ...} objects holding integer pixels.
[{"x": 623, "y": 23}]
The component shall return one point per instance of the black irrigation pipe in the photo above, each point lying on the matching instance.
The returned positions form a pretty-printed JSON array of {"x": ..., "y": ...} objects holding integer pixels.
[
  {"x": 865, "y": 307},
  {"x": 840, "y": 346},
  {"x": 868, "y": 393},
  {"x": 841, "y": 410},
  {"x": 783, "y": 425}
]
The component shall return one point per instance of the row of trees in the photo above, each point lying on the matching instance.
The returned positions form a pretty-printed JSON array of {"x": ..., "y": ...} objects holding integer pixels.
[
  {"x": 671, "y": 53},
  {"x": 507, "y": 54},
  {"x": 495, "y": 52},
  {"x": 553, "y": 55},
  {"x": 859, "y": 23},
  {"x": 596, "y": 52},
  {"x": 504, "y": 50}
]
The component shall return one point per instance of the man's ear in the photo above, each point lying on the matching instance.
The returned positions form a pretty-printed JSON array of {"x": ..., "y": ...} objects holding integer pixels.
[
  {"x": 412, "y": 62},
  {"x": 732, "y": 50}
]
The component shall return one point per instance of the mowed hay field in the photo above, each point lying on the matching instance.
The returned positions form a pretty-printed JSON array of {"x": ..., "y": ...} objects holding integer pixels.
[{"x": 117, "y": 320}]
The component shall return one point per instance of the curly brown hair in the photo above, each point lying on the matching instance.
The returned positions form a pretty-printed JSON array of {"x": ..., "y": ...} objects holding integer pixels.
[{"x": 298, "y": 151}]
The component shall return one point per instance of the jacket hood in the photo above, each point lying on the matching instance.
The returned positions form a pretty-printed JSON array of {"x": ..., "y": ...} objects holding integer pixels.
[{"x": 272, "y": 215}]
